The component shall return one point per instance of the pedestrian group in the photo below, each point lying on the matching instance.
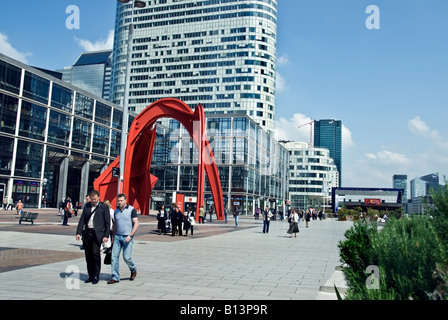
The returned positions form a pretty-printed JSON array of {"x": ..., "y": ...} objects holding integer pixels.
[{"x": 112, "y": 232}]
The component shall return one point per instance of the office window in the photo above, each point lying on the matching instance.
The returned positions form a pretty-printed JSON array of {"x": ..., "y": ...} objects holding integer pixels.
[
  {"x": 103, "y": 113},
  {"x": 115, "y": 144},
  {"x": 84, "y": 106},
  {"x": 29, "y": 159},
  {"x": 81, "y": 134},
  {"x": 62, "y": 98},
  {"x": 8, "y": 113},
  {"x": 100, "y": 141},
  {"x": 6, "y": 148},
  {"x": 33, "y": 121},
  {"x": 36, "y": 88},
  {"x": 10, "y": 77},
  {"x": 59, "y": 128},
  {"x": 117, "y": 119}
]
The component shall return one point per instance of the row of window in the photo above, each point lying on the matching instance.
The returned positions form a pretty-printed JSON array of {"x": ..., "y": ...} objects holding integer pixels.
[
  {"x": 38, "y": 89},
  {"x": 193, "y": 4},
  {"x": 203, "y": 10},
  {"x": 244, "y": 180}
]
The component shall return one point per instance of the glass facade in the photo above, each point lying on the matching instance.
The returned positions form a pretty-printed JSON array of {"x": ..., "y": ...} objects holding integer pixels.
[
  {"x": 400, "y": 181},
  {"x": 328, "y": 134},
  {"x": 91, "y": 72},
  {"x": 55, "y": 138},
  {"x": 221, "y": 54},
  {"x": 252, "y": 165}
]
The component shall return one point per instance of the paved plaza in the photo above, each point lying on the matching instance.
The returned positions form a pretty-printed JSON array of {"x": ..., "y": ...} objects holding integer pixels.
[{"x": 44, "y": 262}]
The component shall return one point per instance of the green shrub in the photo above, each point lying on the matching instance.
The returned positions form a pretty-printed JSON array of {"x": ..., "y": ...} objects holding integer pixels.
[
  {"x": 357, "y": 254},
  {"x": 410, "y": 254},
  {"x": 406, "y": 253}
]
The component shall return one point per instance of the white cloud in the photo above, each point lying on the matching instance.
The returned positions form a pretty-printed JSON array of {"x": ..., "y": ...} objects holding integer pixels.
[
  {"x": 98, "y": 45},
  {"x": 418, "y": 126},
  {"x": 288, "y": 129},
  {"x": 434, "y": 138},
  {"x": 389, "y": 158},
  {"x": 283, "y": 60},
  {"x": 7, "y": 49},
  {"x": 280, "y": 83},
  {"x": 347, "y": 140}
]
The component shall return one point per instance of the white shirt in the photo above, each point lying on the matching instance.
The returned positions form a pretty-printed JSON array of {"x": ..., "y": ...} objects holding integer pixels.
[
  {"x": 90, "y": 224},
  {"x": 295, "y": 217}
]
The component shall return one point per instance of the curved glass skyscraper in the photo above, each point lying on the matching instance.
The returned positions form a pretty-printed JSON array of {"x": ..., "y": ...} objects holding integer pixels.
[{"x": 220, "y": 53}]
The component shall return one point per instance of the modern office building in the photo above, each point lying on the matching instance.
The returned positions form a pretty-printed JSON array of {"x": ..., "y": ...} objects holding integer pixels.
[
  {"x": 418, "y": 188},
  {"x": 421, "y": 189},
  {"x": 433, "y": 183},
  {"x": 55, "y": 138},
  {"x": 219, "y": 53},
  {"x": 328, "y": 134},
  {"x": 252, "y": 164},
  {"x": 91, "y": 72},
  {"x": 312, "y": 175},
  {"x": 400, "y": 181}
]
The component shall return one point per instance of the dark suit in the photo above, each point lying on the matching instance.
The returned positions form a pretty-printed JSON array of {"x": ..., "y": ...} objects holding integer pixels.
[
  {"x": 176, "y": 221},
  {"x": 93, "y": 237}
]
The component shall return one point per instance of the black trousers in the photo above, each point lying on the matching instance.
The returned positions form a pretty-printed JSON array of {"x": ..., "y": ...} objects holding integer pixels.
[
  {"x": 92, "y": 253},
  {"x": 176, "y": 227}
]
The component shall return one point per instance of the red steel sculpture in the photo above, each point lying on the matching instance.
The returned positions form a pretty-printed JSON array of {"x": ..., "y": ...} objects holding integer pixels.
[{"x": 137, "y": 180}]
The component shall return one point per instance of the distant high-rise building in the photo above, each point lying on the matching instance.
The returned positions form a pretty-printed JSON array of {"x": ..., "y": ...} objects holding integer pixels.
[
  {"x": 328, "y": 134},
  {"x": 433, "y": 182},
  {"x": 421, "y": 189},
  {"x": 91, "y": 72},
  {"x": 221, "y": 54},
  {"x": 400, "y": 181},
  {"x": 418, "y": 188}
]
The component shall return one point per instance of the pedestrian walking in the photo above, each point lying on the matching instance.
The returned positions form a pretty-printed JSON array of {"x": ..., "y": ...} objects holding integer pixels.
[
  {"x": 307, "y": 217},
  {"x": 210, "y": 212},
  {"x": 125, "y": 227},
  {"x": 10, "y": 203},
  {"x": 267, "y": 215},
  {"x": 236, "y": 215},
  {"x": 5, "y": 203},
  {"x": 67, "y": 211},
  {"x": 189, "y": 221},
  {"x": 201, "y": 214},
  {"x": 177, "y": 218},
  {"x": 257, "y": 213},
  {"x": 226, "y": 213},
  {"x": 19, "y": 207},
  {"x": 161, "y": 219},
  {"x": 293, "y": 224},
  {"x": 94, "y": 229}
]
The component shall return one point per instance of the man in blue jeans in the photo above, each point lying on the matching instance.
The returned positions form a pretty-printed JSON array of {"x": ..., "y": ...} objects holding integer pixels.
[{"x": 125, "y": 226}]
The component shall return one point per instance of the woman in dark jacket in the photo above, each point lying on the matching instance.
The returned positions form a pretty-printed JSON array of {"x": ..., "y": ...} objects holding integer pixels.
[
  {"x": 161, "y": 219},
  {"x": 307, "y": 217},
  {"x": 176, "y": 220}
]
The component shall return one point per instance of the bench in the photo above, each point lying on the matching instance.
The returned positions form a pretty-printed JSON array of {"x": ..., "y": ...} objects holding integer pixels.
[{"x": 27, "y": 217}]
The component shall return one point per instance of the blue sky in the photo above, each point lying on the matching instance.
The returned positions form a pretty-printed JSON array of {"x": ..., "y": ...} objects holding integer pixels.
[{"x": 389, "y": 86}]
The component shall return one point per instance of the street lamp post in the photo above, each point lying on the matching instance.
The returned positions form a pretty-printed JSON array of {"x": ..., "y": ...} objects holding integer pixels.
[{"x": 124, "y": 126}]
